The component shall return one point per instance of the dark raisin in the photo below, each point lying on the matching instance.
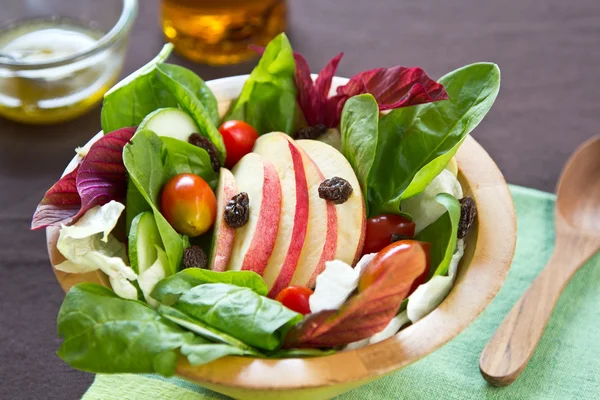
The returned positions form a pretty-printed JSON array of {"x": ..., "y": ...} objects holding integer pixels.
[
  {"x": 237, "y": 210},
  {"x": 310, "y": 132},
  {"x": 194, "y": 257},
  {"x": 399, "y": 236},
  {"x": 336, "y": 190},
  {"x": 468, "y": 213},
  {"x": 204, "y": 143}
]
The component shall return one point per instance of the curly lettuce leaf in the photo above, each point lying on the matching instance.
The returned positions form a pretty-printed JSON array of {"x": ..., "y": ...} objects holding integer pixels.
[{"x": 268, "y": 98}]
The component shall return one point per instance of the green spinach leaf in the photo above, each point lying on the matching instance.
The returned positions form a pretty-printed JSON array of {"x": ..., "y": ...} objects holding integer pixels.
[
  {"x": 359, "y": 135},
  {"x": 416, "y": 143},
  {"x": 173, "y": 78},
  {"x": 204, "y": 352},
  {"x": 442, "y": 234},
  {"x": 202, "y": 329},
  {"x": 105, "y": 333},
  {"x": 143, "y": 160},
  {"x": 182, "y": 157},
  {"x": 240, "y": 312},
  {"x": 135, "y": 204},
  {"x": 170, "y": 289},
  {"x": 136, "y": 96},
  {"x": 268, "y": 98}
]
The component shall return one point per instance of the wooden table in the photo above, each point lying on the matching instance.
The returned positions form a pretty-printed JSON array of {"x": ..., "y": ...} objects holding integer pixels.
[{"x": 548, "y": 104}]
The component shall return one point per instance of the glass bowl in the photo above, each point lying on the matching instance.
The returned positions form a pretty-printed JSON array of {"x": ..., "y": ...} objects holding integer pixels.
[{"x": 59, "y": 57}]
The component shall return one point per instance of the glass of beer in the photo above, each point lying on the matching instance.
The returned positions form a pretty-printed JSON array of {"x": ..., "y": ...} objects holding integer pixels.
[{"x": 219, "y": 31}]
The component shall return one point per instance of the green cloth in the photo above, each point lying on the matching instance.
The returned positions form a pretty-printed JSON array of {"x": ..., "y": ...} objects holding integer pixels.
[{"x": 566, "y": 364}]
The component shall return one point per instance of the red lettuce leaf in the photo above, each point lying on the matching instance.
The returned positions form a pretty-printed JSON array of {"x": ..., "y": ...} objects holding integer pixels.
[
  {"x": 100, "y": 178},
  {"x": 364, "y": 314},
  {"x": 395, "y": 87},
  {"x": 60, "y": 203}
]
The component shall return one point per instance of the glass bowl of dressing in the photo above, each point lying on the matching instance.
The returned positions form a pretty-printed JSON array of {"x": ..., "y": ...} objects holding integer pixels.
[{"x": 59, "y": 57}]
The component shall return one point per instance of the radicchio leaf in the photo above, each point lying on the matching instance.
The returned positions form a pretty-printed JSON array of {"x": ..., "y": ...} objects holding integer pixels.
[
  {"x": 100, "y": 178},
  {"x": 60, "y": 203},
  {"x": 395, "y": 87},
  {"x": 364, "y": 314},
  {"x": 392, "y": 88}
]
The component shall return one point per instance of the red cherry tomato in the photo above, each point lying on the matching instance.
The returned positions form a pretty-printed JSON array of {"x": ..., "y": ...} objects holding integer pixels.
[
  {"x": 295, "y": 298},
  {"x": 402, "y": 251},
  {"x": 189, "y": 204},
  {"x": 380, "y": 229},
  {"x": 239, "y": 138}
]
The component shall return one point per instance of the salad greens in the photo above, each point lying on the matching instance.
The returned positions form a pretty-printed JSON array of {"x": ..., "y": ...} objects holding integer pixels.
[
  {"x": 105, "y": 333},
  {"x": 156, "y": 313},
  {"x": 239, "y": 312},
  {"x": 168, "y": 291},
  {"x": 129, "y": 101},
  {"x": 268, "y": 98},
  {"x": 358, "y": 129},
  {"x": 442, "y": 235},
  {"x": 414, "y": 144}
]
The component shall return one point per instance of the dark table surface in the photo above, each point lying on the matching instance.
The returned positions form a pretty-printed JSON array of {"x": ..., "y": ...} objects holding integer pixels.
[{"x": 548, "y": 104}]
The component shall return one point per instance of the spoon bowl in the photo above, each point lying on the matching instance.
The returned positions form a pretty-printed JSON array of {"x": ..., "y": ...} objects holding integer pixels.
[
  {"x": 580, "y": 183},
  {"x": 577, "y": 222}
]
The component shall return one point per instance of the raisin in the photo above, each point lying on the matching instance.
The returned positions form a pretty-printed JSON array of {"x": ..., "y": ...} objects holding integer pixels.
[
  {"x": 194, "y": 257},
  {"x": 310, "y": 132},
  {"x": 204, "y": 143},
  {"x": 336, "y": 190},
  {"x": 237, "y": 210},
  {"x": 468, "y": 213},
  {"x": 398, "y": 236}
]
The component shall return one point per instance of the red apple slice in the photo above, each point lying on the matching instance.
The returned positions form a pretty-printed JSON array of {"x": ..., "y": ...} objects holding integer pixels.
[
  {"x": 254, "y": 242},
  {"x": 351, "y": 215},
  {"x": 287, "y": 159},
  {"x": 223, "y": 235},
  {"x": 321, "y": 230}
]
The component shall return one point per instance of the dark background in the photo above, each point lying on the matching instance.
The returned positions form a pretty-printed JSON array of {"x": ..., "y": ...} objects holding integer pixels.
[{"x": 548, "y": 52}]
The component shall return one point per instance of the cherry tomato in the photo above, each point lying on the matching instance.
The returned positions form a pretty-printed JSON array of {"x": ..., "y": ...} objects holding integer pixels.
[
  {"x": 380, "y": 229},
  {"x": 409, "y": 252},
  {"x": 295, "y": 298},
  {"x": 189, "y": 204},
  {"x": 239, "y": 138}
]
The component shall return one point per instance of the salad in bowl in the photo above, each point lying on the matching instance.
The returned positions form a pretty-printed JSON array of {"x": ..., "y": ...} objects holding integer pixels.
[{"x": 311, "y": 215}]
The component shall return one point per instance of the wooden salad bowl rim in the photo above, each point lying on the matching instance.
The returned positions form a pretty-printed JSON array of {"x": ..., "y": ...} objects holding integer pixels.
[{"x": 483, "y": 269}]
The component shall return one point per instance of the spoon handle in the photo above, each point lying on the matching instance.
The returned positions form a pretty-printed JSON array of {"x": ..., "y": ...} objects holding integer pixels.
[{"x": 515, "y": 340}]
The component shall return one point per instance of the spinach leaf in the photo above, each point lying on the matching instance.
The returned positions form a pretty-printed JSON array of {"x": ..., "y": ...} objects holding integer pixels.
[
  {"x": 416, "y": 143},
  {"x": 135, "y": 204},
  {"x": 268, "y": 98},
  {"x": 105, "y": 333},
  {"x": 204, "y": 352},
  {"x": 442, "y": 234},
  {"x": 171, "y": 77},
  {"x": 143, "y": 159},
  {"x": 183, "y": 157},
  {"x": 359, "y": 135},
  {"x": 129, "y": 101},
  {"x": 198, "y": 88},
  {"x": 202, "y": 329},
  {"x": 240, "y": 312},
  {"x": 168, "y": 290}
]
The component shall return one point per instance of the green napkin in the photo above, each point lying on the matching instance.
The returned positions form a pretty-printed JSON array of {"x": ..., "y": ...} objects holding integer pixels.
[{"x": 566, "y": 364}]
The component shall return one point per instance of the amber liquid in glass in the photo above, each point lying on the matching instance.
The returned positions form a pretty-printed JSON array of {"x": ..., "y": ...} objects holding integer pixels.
[{"x": 219, "y": 31}]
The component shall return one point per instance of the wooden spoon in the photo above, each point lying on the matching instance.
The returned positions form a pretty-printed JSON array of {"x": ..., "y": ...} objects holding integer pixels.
[{"x": 577, "y": 222}]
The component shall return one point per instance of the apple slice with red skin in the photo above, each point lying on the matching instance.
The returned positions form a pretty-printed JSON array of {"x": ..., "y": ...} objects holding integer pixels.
[
  {"x": 287, "y": 160},
  {"x": 321, "y": 230},
  {"x": 351, "y": 215},
  {"x": 254, "y": 242},
  {"x": 224, "y": 235}
]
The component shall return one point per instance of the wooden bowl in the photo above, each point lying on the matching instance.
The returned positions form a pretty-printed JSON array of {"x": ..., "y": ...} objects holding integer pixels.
[{"x": 488, "y": 255}]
